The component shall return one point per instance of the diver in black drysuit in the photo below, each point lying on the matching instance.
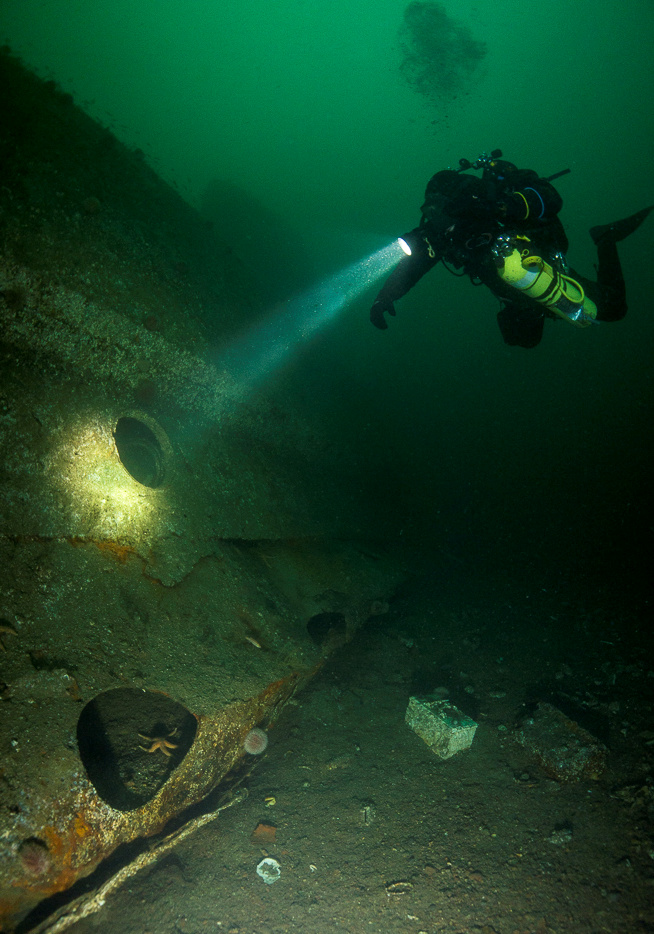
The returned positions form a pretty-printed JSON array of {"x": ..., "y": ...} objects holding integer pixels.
[{"x": 462, "y": 217}]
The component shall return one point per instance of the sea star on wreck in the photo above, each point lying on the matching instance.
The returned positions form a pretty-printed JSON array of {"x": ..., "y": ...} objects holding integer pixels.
[{"x": 159, "y": 742}]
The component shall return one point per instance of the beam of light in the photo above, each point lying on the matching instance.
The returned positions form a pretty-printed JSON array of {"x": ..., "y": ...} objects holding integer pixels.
[
  {"x": 255, "y": 355},
  {"x": 98, "y": 490}
]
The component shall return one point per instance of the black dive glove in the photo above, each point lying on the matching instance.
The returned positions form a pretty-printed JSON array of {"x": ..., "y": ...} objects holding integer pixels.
[{"x": 379, "y": 308}]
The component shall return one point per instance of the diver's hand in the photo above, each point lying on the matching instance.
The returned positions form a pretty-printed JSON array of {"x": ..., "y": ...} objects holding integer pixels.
[{"x": 379, "y": 308}]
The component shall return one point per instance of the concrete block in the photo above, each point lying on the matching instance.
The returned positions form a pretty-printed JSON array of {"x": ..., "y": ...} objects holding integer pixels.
[
  {"x": 564, "y": 749},
  {"x": 441, "y": 725}
]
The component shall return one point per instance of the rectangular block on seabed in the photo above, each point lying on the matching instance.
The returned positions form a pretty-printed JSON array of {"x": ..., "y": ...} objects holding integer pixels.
[{"x": 441, "y": 725}]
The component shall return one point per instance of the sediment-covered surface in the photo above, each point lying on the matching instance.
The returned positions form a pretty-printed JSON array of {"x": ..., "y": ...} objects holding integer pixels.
[
  {"x": 168, "y": 533},
  {"x": 373, "y": 832}
]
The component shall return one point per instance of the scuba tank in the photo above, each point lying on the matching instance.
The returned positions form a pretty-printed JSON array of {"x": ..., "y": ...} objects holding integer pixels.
[{"x": 534, "y": 277}]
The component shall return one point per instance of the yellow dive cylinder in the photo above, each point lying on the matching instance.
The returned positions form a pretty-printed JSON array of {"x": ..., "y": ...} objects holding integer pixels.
[{"x": 532, "y": 276}]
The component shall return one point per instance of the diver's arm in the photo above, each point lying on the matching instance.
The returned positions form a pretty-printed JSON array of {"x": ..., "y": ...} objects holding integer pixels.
[{"x": 406, "y": 274}]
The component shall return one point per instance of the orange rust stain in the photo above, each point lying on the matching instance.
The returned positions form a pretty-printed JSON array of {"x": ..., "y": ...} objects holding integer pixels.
[
  {"x": 119, "y": 552},
  {"x": 8, "y": 906},
  {"x": 54, "y": 841},
  {"x": 82, "y": 828},
  {"x": 61, "y": 856},
  {"x": 276, "y": 686},
  {"x": 73, "y": 690},
  {"x": 263, "y": 835},
  {"x": 64, "y": 880}
]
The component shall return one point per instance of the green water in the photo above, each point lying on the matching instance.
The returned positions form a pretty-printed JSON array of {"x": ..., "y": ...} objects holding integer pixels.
[{"x": 298, "y": 115}]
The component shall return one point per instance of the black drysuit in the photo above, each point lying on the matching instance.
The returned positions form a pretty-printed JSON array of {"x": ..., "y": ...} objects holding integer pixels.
[{"x": 462, "y": 217}]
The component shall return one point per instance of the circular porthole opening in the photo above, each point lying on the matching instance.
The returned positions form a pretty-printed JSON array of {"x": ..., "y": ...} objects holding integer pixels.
[
  {"x": 140, "y": 451},
  {"x": 130, "y": 742}
]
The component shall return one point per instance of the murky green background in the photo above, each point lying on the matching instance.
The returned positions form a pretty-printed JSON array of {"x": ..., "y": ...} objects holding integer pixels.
[{"x": 292, "y": 125}]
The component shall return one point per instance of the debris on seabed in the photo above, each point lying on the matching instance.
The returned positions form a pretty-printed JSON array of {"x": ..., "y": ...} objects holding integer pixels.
[
  {"x": 398, "y": 888},
  {"x": 264, "y": 834},
  {"x": 563, "y": 749},
  {"x": 441, "y": 725},
  {"x": 269, "y": 870},
  {"x": 367, "y": 813}
]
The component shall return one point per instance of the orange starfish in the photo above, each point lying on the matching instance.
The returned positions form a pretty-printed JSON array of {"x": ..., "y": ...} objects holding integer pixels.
[{"x": 159, "y": 742}]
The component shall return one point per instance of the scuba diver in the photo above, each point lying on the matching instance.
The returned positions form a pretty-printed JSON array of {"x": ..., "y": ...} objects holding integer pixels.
[{"x": 503, "y": 231}]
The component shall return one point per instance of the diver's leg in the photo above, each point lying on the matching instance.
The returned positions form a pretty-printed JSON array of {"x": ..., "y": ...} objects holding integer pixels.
[
  {"x": 611, "y": 297},
  {"x": 520, "y": 322},
  {"x": 618, "y": 230},
  {"x": 610, "y": 292}
]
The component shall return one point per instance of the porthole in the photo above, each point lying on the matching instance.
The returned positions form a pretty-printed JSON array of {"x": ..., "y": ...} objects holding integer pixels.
[
  {"x": 140, "y": 451},
  {"x": 130, "y": 741}
]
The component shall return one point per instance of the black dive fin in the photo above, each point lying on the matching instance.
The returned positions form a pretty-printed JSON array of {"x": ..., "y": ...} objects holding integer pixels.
[{"x": 620, "y": 229}]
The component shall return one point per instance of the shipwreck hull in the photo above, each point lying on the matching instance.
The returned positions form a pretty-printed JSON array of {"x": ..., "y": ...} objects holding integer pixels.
[{"x": 178, "y": 553}]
